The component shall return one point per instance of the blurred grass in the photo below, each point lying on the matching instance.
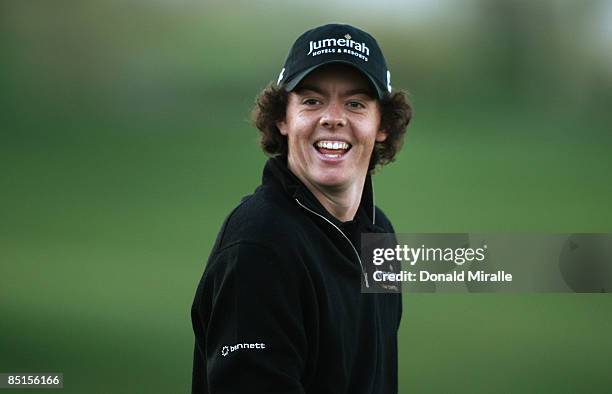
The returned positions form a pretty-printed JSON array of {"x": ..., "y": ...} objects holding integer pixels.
[{"x": 125, "y": 142}]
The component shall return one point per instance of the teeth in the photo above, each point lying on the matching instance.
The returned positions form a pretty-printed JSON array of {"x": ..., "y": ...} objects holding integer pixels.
[{"x": 333, "y": 145}]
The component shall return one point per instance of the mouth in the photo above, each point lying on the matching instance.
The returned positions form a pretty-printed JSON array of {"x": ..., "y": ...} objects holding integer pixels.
[{"x": 332, "y": 149}]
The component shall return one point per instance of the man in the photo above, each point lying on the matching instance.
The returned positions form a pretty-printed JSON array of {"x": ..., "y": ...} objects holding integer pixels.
[{"x": 280, "y": 307}]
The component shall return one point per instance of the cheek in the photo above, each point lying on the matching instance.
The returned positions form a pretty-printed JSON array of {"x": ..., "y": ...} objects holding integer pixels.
[
  {"x": 367, "y": 133},
  {"x": 301, "y": 128}
]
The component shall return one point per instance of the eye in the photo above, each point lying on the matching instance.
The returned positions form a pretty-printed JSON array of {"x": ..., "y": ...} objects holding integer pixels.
[
  {"x": 355, "y": 105},
  {"x": 311, "y": 101}
]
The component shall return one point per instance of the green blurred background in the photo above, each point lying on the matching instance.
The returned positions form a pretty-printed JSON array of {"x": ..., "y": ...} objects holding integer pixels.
[{"x": 125, "y": 142}]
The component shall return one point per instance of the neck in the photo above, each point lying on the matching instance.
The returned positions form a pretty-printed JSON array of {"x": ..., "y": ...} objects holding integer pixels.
[
  {"x": 342, "y": 206},
  {"x": 340, "y": 202}
]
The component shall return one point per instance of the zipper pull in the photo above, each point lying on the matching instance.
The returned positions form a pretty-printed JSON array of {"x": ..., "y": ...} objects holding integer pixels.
[{"x": 365, "y": 275}]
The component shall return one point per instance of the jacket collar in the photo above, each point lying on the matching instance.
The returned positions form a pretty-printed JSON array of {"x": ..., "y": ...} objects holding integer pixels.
[{"x": 276, "y": 170}]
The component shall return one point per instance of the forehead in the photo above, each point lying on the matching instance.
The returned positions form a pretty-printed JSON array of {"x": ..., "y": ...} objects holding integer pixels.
[{"x": 337, "y": 76}]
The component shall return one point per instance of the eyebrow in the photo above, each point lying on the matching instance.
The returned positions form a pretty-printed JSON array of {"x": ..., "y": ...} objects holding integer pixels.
[{"x": 352, "y": 92}]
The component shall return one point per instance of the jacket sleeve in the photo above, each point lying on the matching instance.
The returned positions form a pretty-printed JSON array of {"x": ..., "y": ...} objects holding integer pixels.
[{"x": 248, "y": 322}]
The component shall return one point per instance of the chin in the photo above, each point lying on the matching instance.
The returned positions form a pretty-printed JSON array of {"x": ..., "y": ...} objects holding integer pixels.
[{"x": 332, "y": 179}]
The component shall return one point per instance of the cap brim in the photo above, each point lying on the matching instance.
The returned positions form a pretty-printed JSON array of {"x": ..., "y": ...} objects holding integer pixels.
[{"x": 296, "y": 79}]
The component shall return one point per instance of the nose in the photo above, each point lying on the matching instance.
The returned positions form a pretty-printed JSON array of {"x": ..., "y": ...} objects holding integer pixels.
[{"x": 333, "y": 117}]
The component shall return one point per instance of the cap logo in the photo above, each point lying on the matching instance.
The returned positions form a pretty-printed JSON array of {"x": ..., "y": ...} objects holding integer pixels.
[
  {"x": 389, "y": 81},
  {"x": 339, "y": 45},
  {"x": 280, "y": 76}
]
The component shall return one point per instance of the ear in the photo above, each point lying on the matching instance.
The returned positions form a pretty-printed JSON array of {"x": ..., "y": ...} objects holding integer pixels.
[
  {"x": 381, "y": 135},
  {"x": 281, "y": 125}
]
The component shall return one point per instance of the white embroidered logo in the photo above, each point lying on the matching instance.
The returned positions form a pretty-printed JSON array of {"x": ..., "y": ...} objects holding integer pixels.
[
  {"x": 280, "y": 76},
  {"x": 339, "y": 45},
  {"x": 389, "y": 81},
  {"x": 227, "y": 349}
]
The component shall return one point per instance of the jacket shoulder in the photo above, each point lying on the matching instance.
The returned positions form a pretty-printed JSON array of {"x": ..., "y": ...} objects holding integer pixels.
[{"x": 264, "y": 217}]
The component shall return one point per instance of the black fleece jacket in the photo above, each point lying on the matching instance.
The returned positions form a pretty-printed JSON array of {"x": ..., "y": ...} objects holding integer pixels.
[{"x": 279, "y": 308}]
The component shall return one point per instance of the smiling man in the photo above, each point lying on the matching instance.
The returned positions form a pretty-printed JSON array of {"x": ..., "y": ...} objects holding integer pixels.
[
  {"x": 284, "y": 304},
  {"x": 332, "y": 122}
]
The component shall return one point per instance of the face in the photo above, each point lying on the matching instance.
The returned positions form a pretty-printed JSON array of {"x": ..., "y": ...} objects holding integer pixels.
[{"x": 331, "y": 124}]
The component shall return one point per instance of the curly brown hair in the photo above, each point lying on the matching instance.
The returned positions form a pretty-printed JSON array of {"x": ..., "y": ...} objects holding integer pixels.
[{"x": 271, "y": 104}]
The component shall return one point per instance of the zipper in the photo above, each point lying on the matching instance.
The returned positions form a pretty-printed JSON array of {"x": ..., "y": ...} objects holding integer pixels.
[
  {"x": 365, "y": 276},
  {"x": 373, "y": 208}
]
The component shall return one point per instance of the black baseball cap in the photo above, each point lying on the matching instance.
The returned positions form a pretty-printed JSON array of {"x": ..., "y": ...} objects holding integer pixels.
[{"x": 336, "y": 43}]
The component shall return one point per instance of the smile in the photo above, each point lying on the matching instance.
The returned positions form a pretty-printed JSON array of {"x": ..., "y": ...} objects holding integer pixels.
[{"x": 332, "y": 149}]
